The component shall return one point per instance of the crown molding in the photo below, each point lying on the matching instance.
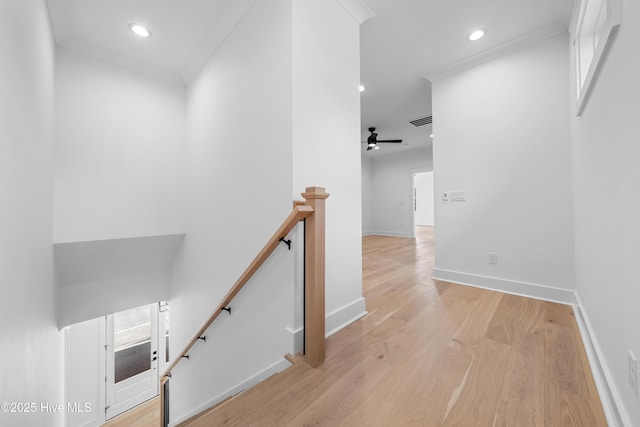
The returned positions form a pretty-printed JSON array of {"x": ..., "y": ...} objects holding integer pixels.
[
  {"x": 116, "y": 59},
  {"x": 358, "y": 9},
  {"x": 59, "y": 18},
  {"x": 233, "y": 15},
  {"x": 495, "y": 52}
]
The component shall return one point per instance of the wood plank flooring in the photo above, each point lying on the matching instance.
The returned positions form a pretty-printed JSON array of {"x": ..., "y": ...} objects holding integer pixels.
[
  {"x": 431, "y": 354},
  {"x": 144, "y": 415}
]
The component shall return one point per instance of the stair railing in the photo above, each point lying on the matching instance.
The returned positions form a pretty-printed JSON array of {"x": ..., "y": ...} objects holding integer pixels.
[{"x": 312, "y": 211}]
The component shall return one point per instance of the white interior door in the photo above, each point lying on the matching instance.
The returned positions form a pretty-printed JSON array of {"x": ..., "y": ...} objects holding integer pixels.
[
  {"x": 423, "y": 199},
  {"x": 131, "y": 358}
]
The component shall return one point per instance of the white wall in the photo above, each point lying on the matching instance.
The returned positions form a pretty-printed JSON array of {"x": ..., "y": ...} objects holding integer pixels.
[
  {"x": 502, "y": 135},
  {"x": 102, "y": 277},
  {"x": 252, "y": 120},
  {"x": 367, "y": 195},
  {"x": 392, "y": 190},
  {"x": 424, "y": 198},
  {"x": 32, "y": 347},
  {"x": 84, "y": 365},
  {"x": 239, "y": 187},
  {"x": 606, "y": 181},
  {"x": 119, "y": 152},
  {"x": 326, "y": 141}
]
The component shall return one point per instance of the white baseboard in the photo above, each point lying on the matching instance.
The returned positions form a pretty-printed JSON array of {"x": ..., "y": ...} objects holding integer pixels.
[
  {"x": 297, "y": 338},
  {"x": 344, "y": 316},
  {"x": 387, "y": 233},
  {"x": 334, "y": 321},
  {"x": 542, "y": 292},
  {"x": 612, "y": 404},
  {"x": 245, "y": 385},
  {"x": 609, "y": 395}
]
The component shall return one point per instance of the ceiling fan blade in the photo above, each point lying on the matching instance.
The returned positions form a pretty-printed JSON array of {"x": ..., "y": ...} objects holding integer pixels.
[{"x": 391, "y": 140}]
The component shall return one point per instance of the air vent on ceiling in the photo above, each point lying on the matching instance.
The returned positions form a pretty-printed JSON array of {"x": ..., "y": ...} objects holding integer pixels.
[{"x": 422, "y": 121}]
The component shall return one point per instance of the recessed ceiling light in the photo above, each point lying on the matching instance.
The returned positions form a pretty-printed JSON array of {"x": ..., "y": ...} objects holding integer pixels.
[
  {"x": 477, "y": 34},
  {"x": 140, "y": 30},
  {"x": 376, "y": 148},
  {"x": 362, "y": 88},
  {"x": 431, "y": 136}
]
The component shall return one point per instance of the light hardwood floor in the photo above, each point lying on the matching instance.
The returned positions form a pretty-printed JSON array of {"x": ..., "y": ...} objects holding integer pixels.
[
  {"x": 431, "y": 354},
  {"x": 145, "y": 415}
]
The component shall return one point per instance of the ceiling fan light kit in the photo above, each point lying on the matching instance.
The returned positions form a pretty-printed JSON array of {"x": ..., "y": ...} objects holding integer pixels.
[{"x": 372, "y": 141}]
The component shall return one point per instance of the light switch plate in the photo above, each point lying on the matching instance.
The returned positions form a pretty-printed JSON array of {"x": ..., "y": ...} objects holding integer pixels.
[{"x": 458, "y": 196}]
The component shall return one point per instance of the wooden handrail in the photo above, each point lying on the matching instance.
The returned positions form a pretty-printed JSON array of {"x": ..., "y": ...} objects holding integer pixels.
[
  {"x": 313, "y": 210},
  {"x": 298, "y": 213}
]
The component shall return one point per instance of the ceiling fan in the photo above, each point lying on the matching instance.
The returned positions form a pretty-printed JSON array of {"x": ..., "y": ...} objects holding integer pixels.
[{"x": 372, "y": 141}]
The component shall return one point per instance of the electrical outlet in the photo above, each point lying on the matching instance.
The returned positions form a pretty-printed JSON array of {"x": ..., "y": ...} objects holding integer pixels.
[
  {"x": 493, "y": 258},
  {"x": 633, "y": 372}
]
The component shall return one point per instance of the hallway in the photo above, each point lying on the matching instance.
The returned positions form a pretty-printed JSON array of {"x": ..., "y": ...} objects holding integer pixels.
[{"x": 429, "y": 354}]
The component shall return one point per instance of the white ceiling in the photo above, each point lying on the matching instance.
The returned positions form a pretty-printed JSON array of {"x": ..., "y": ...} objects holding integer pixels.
[
  {"x": 184, "y": 34},
  {"x": 412, "y": 39},
  {"x": 402, "y": 44}
]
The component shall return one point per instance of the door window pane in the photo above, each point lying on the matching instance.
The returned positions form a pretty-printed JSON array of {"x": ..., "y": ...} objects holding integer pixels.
[
  {"x": 132, "y": 342},
  {"x": 164, "y": 327},
  {"x": 166, "y": 335}
]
